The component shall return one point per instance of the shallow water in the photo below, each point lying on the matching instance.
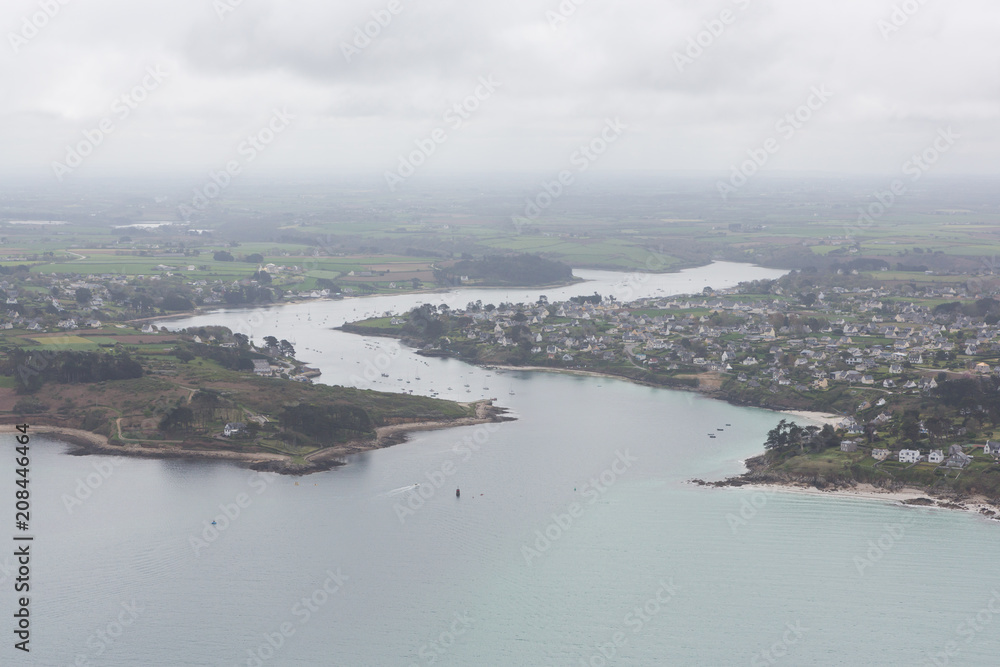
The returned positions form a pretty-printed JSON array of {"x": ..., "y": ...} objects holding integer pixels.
[{"x": 576, "y": 541}]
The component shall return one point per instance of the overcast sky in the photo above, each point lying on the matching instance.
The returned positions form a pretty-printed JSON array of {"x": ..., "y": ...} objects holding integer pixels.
[{"x": 229, "y": 65}]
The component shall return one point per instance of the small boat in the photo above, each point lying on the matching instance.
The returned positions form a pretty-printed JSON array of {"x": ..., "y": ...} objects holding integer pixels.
[
  {"x": 720, "y": 429},
  {"x": 458, "y": 493},
  {"x": 213, "y": 523}
]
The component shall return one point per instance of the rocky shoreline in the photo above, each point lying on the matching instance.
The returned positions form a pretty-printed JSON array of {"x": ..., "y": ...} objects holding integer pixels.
[
  {"x": 759, "y": 477},
  {"x": 85, "y": 443}
]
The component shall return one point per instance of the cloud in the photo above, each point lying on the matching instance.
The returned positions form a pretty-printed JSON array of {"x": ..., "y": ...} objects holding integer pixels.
[{"x": 565, "y": 67}]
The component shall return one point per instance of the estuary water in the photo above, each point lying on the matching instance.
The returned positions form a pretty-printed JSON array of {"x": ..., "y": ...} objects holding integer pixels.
[{"x": 576, "y": 540}]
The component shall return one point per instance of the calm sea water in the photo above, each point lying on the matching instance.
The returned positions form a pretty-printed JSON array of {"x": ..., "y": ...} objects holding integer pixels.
[{"x": 576, "y": 540}]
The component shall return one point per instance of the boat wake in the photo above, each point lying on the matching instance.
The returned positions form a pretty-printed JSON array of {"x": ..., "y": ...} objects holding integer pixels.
[{"x": 401, "y": 490}]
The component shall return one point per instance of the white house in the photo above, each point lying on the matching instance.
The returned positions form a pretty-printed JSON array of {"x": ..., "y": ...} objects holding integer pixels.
[
  {"x": 880, "y": 454},
  {"x": 935, "y": 456},
  {"x": 992, "y": 448},
  {"x": 261, "y": 367},
  {"x": 909, "y": 455},
  {"x": 233, "y": 428}
]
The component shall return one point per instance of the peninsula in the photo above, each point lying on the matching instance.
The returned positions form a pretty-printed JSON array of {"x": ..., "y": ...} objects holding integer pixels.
[
  {"x": 909, "y": 372},
  {"x": 206, "y": 394}
]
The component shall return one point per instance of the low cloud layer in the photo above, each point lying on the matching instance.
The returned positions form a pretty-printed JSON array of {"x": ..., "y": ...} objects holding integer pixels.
[{"x": 698, "y": 85}]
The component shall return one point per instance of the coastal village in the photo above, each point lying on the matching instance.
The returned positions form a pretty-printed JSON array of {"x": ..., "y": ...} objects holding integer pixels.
[
  {"x": 873, "y": 354},
  {"x": 872, "y": 351}
]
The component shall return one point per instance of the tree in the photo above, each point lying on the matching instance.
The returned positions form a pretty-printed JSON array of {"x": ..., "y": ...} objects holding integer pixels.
[
  {"x": 83, "y": 295},
  {"x": 223, "y": 256},
  {"x": 910, "y": 426},
  {"x": 204, "y": 403},
  {"x": 178, "y": 419},
  {"x": 286, "y": 348},
  {"x": 271, "y": 341},
  {"x": 783, "y": 435},
  {"x": 936, "y": 427},
  {"x": 255, "y": 258},
  {"x": 176, "y": 302}
]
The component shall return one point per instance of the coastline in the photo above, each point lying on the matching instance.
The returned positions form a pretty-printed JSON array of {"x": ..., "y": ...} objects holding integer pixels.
[
  {"x": 568, "y": 371},
  {"x": 86, "y": 443},
  {"x": 823, "y": 418},
  {"x": 202, "y": 310},
  {"x": 906, "y": 496}
]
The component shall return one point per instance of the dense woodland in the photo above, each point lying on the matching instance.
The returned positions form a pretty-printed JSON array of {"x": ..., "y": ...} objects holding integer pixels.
[{"x": 32, "y": 369}]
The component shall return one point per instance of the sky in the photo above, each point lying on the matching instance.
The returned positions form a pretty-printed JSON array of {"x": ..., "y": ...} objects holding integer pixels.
[{"x": 188, "y": 87}]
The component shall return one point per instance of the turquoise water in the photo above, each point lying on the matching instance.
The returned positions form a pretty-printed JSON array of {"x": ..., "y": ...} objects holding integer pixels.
[{"x": 576, "y": 541}]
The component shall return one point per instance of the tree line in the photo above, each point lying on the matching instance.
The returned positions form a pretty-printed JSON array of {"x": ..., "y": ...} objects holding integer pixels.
[{"x": 33, "y": 368}]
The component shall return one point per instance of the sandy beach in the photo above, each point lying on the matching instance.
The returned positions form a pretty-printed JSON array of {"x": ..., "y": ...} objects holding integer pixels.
[
  {"x": 816, "y": 417},
  {"x": 907, "y": 496}
]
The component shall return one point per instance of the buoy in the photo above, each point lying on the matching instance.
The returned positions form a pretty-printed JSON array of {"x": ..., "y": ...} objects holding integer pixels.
[{"x": 458, "y": 493}]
